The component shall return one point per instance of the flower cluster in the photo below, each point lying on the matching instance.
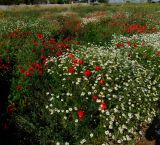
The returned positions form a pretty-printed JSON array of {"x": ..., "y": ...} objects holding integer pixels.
[
  {"x": 109, "y": 91},
  {"x": 94, "y": 17},
  {"x": 8, "y": 26},
  {"x": 4, "y": 66},
  {"x": 34, "y": 68},
  {"x": 151, "y": 40},
  {"x": 136, "y": 28}
]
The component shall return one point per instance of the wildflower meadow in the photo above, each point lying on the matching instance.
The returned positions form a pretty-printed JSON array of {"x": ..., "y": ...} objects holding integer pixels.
[{"x": 78, "y": 74}]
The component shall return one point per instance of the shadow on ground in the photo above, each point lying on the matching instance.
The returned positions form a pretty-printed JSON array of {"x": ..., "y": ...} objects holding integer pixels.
[{"x": 153, "y": 132}]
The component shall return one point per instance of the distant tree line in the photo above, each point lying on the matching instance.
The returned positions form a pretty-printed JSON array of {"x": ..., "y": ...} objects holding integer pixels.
[
  {"x": 17, "y": 2},
  {"x": 9, "y": 2}
]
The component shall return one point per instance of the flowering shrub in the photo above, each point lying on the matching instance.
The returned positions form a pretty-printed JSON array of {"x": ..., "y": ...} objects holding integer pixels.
[{"x": 102, "y": 96}]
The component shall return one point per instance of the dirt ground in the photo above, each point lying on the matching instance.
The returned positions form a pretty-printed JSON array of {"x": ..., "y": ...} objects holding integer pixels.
[{"x": 144, "y": 141}]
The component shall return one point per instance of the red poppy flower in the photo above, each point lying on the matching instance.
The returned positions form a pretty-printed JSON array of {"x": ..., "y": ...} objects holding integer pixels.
[
  {"x": 40, "y": 36},
  {"x": 135, "y": 45},
  {"x": 102, "y": 81},
  {"x": 71, "y": 55},
  {"x": 33, "y": 50},
  {"x": 43, "y": 57},
  {"x": 103, "y": 105},
  {"x": 42, "y": 41},
  {"x": 143, "y": 43},
  {"x": 41, "y": 73},
  {"x": 80, "y": 61},
  {"x": 47, "y": 46},
  {"x": 59, "y": 53},
  {"x": 39, "y": 66},
  {"x": 129, "y": 43},
  {"x": 21, "y": 71},
  {"x": 66, "y": 39},
  {"x": 77, "y": 42},
  {"x": 34, "y": 43},
  {"x": 31, "y": 68},
  {"x": 28, "y": 74},
  {"x": 132, "y": 27},
  {"x": 95, "y": 97},
  {"x": 80, "y": 114},
  {"x": 75, "y": 64},
  {"x": 97, "y": 68},
  {"x": 157, "y": 53},
  {"x": 52, "y": 40},
  {"x": 71, "y": 70},
  {"x": 87, "y": 73},
  {"x": 42, "y": 50},
  {"x": 120, "y": 44},
  {"x": 74, "y": 60}
]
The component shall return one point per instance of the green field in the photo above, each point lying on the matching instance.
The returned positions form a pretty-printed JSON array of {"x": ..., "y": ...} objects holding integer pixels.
[{"x": 79, "y": 74}]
